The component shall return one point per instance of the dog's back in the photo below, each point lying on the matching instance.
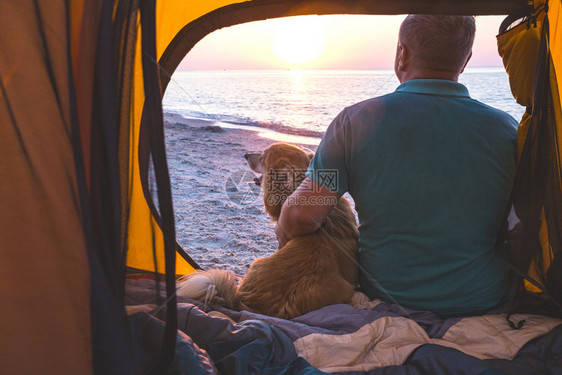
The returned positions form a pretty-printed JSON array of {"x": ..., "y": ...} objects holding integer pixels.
[{"x": 309, "y": 272}]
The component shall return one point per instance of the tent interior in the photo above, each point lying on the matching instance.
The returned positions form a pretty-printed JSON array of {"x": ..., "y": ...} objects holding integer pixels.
[{"x": 81, "y": 106}]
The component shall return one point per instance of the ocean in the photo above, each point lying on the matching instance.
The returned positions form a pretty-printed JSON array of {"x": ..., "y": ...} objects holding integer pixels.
[{"x": 303, "y": 103}]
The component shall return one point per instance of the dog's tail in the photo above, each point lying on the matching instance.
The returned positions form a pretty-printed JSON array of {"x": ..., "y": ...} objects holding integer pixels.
[{"x": 211, "y": 287}]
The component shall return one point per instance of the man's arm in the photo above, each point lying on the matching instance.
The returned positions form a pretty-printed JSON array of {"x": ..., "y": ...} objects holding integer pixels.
[{"x": 304, "y": 211}]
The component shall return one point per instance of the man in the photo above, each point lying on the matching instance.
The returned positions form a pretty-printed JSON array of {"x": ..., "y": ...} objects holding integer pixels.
[{"x": 430, "y": 171}]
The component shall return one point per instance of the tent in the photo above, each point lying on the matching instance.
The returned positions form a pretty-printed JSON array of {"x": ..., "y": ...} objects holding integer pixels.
[{"x": 80, "y": 106}]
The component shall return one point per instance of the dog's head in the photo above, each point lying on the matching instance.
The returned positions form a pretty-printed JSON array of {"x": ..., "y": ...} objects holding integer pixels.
[{"x": 282, "y": 167}]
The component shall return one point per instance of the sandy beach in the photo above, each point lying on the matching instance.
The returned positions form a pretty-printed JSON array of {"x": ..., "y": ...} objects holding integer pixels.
[{"x": 220, "y": 220}]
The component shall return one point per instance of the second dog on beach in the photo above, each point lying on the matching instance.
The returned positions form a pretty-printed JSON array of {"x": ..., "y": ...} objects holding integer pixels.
[{"x": 307, "y": 273}]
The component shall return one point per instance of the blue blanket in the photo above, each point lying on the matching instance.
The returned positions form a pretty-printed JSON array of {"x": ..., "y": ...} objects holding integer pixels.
[{"x": 370, "y": 337}]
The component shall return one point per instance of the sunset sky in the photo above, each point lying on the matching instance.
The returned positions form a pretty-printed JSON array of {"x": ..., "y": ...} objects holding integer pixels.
[{"x": 320, "y": 42}]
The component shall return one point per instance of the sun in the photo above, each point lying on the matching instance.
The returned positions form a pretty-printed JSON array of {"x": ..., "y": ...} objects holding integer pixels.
[{"x": 299, "y": 41}]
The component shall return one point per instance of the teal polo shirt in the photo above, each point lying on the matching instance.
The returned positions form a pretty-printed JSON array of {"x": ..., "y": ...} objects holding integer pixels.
[{"x": 430, "y": 171}]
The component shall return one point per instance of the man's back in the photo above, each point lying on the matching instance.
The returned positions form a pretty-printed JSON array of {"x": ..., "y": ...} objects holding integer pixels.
[{"x": 430, "y": 171}]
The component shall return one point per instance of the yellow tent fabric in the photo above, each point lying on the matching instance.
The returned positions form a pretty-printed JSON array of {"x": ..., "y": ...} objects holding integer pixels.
[
  {"x": 143, "y": 229},
  {"x": 519, "y": 48},
  {"x": 554, "y": 43},
  {"x": 45, "y": 288},
  {"x": 555, "y": 49}
]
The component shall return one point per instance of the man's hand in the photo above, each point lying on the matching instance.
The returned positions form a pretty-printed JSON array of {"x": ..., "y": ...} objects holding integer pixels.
[{"x": 304, "y": 211}]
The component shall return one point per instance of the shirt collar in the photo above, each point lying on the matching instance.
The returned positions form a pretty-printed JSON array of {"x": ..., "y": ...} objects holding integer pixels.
[{"x": 439, "y": 87}]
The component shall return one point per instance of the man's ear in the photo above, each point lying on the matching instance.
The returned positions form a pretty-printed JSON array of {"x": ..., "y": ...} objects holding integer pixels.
[
  {"x": 403, "y": 55},
  {"x": 466, "y": 62}
]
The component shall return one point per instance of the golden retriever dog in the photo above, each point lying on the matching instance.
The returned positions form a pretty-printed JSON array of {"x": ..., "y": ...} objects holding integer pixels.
[{"x": 307, "y": 273}]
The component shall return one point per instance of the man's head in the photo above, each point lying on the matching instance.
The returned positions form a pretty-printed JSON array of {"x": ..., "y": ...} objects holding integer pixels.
[{"x": 434, "y": 46}]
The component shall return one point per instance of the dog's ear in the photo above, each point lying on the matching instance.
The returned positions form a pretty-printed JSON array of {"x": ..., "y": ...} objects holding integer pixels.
[
  {"x": 280, "y": 178},
  {"x": 289, "y": 172},
  {"x": 279, "y": 183},
  {"x": 310, "y": 156}
]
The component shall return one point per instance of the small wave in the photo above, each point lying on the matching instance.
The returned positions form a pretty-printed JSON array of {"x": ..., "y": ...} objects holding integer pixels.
[
  {"x": 244, "y": 121},
  {"x": 288, "y": 129},
  {"x": 280, "y": 128}
]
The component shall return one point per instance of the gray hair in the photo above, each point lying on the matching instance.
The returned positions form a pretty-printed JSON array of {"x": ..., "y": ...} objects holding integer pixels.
[{"x": 439, "y": 42}]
